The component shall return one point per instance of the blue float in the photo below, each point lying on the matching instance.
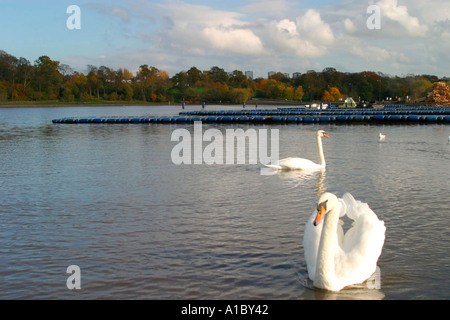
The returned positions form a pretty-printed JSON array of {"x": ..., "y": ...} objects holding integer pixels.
[
  {"x": 260, "y": 118},
  {"x": 393, "y": 113},
  {"x": 378, "y": 117},
  {"x": 431, "y": 118}
]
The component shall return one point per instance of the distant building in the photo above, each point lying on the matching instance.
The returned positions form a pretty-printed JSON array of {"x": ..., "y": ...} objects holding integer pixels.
[
  {"x": 296, "y": 75},
  {"x": 249, "y": 75},
  {"x": 286, "y": 75},
  {"x": 270, "y": 73}
]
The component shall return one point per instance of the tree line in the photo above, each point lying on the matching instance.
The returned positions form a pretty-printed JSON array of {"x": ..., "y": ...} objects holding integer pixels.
[{"x": 46, "y": 79}]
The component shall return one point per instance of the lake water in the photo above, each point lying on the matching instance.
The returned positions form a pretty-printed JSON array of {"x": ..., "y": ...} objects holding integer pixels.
[{"x": 108, "y": 198}]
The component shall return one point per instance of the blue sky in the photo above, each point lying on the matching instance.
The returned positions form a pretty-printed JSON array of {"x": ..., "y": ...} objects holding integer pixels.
[{"x": 265, "y": 35}]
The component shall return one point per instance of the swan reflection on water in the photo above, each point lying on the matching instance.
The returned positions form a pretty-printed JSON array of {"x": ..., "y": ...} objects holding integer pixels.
[
  {"x": 352, "y": 293},
  {"x": 368, "y": 290},
  {"x": 300, "y": 177}
]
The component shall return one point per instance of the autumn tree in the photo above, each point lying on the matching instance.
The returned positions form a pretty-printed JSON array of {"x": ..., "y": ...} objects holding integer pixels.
[
  {"x": 22, "y": 82},
  {"x": 48, "y": 78},
  {"x": 92, "y": 80},
  {"x": 333, "y": 95},
  {"x": 239, "y": 95},
  {"x": 420, "y": 88},
  {"x": 147, "y": 76},
  {"x": 298, "y": 94}
]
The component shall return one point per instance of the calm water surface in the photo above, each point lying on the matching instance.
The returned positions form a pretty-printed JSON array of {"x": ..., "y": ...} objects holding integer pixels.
[{"x": 109, "y": 199}]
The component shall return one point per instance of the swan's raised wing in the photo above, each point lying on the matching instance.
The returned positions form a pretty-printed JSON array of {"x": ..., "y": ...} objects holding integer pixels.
[{"x": 361, "y": 246}]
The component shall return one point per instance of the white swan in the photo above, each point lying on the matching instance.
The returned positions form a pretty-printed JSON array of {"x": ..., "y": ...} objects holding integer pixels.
[
  {"x": 334, "y": 259},
  {"x": 303, "y": 164},
  {"x": 382, "y": 137}
]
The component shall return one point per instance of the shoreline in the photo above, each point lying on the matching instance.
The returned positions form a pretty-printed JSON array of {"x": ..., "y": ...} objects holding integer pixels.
[
  {"x": 139, "y": 103},
  {"x": 154, "y": 104},
  {"x": 59, "y": 105}
]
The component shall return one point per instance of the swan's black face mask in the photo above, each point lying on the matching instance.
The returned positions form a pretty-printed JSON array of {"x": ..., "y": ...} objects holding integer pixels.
[
  {"x": 321, "y": 210},
  {"x": 323, "y": 205}
]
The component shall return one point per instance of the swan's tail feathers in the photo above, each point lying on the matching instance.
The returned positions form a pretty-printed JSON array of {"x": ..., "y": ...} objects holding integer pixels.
[
  {"x": 273, "y": 166},
  {"x": 270, "y": 170}
]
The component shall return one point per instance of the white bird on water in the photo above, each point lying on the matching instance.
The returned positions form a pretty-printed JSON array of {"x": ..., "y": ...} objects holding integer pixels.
[
  {"x": 303, "y": 164},
  {"x": 382, "y": 137},
  {"x": 335, "y": 259}
]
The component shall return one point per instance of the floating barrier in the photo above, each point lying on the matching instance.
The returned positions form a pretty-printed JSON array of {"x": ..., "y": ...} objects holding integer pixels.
[{"x": 389, "y": 114}]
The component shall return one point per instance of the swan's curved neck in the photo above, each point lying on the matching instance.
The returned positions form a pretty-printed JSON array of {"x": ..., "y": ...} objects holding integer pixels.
[
  {"x": 320, "y": 149},
  {"x": 325, "y": 267}
]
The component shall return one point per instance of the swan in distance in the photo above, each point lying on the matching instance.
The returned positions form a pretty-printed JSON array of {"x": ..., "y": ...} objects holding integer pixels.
[
  {"x": 303, "y": 164},
  {"x": 382, "y": 137},
  {"x": 335, "y": 260}
]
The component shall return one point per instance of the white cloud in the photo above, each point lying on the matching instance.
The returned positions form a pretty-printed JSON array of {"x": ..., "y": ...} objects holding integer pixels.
[
  {"x": 201, "y": 30},
  {"x": 400, "y": 14},
  {"x": 349, "y": 26},
  {"x": 372, "y": 53},
  {"x": 308, "y": 37},
  {"x": 270, "y": 6},
  {"x": 239, "y": 41},
  {"x": 111, "y": 10},
  {"x": 312, "y": 27},
  {"x": 280, "y": 35},
  {"x": 184, "y": 15}
]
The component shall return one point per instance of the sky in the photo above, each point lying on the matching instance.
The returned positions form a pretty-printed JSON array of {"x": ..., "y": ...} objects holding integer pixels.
[{"x": 412, "y": 37}]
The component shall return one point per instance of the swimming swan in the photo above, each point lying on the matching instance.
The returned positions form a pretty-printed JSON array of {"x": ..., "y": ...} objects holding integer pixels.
[
  {"x": 382, "y": 137},
  {"x": 335, "y": 260},
  {"x": 303, "y": 164}
]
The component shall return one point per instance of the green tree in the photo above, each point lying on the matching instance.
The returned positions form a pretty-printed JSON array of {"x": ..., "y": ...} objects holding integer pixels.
[
  {"x": 420, "y": 88},
  {"x": 193, "y": 75},
  {"x": 92, "y": 80},
  {"x": 48, "y": 78},
  {"x": 217, "y": 74},
  {"x": 365, "y": 90},
  {"x": 239, "y": 95}
]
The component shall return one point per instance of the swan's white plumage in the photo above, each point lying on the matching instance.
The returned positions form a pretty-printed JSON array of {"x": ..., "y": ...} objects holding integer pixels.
[
  {"x": 296, "y": 163},
  {"x": 355, "y": 253},
  {"x": 303, "y": 164}
]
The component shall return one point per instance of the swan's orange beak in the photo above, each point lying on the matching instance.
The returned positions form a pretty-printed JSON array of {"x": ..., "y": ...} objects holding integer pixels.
[
  {"x": 320, "y": 215},
  {"x": 325, "y": 135}
]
